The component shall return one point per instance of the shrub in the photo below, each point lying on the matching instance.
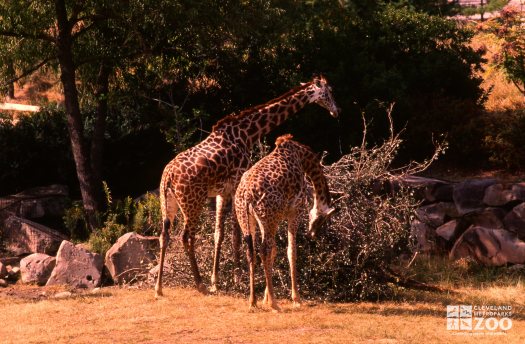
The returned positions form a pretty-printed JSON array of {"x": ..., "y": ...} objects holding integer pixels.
[
  {"x": 123, "y": 215},
  {"x": 147, "y": 218},
  {"x": 504, "y": 138}
]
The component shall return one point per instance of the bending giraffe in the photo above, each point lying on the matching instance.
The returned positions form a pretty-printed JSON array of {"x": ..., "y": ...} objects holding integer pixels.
[
  {"x": 214, "y": 167},
  {"x": 271, "y": 192}
]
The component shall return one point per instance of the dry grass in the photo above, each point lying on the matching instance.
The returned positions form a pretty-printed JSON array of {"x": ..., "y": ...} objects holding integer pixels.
[{"x": 183, "y": 315}]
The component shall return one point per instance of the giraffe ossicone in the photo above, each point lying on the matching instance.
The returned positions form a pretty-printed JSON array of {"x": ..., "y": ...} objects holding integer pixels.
[{"x": 214, "y": 167}]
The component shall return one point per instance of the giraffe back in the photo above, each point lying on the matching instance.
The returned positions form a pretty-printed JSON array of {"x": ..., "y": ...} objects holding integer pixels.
[{"x": 275, "y": 186}]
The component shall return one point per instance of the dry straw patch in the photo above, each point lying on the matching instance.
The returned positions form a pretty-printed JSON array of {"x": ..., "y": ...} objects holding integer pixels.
[{"x": 184, "y": 315}]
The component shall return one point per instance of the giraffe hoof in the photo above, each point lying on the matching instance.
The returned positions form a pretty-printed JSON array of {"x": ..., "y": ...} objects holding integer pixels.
[
  {"x": 158, "y": 294},
  {"x": 213, "y": 289},
  {"x": 296, "y": 304}
]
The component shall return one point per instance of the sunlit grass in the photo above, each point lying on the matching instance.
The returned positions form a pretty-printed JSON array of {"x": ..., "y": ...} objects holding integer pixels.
[{"x": 122, "y": 315}]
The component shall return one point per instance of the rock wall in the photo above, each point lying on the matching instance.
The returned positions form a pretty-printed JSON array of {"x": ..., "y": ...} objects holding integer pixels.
[{"x": 483, "y": 219}]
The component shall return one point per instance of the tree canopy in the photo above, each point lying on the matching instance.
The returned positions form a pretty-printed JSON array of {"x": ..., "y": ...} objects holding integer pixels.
[{"x": 135, "y": 71}]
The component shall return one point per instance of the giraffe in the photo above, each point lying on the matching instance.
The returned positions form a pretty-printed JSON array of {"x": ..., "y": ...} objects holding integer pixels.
[
  {"x": 214, "y": 167},
  {"x": 272, "y": 191}
]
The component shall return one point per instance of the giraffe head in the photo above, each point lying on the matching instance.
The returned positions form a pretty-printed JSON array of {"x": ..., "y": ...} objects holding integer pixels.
[
  {"x": 317, "y": 218},
  {"x": 322, "y": 95}
]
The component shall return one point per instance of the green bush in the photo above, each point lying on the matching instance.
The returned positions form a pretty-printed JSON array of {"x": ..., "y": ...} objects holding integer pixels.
[
  {"x": 122, "y": 216},
  {"x": 35, "y": 151},
  {"x": 75, "y": 222},
  {"x": 147, "y": 218},
  {"x": 504, "y": 139},
  {"x": 103, "y": 238}
]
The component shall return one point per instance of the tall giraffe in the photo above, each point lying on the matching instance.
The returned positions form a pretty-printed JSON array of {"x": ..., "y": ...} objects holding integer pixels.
[
  {"x": 214, "y": 167},
  {"x": 272, "y": 191}
]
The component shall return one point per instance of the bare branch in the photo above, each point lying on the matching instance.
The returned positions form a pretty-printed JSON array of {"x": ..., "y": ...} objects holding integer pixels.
[
  {"x": 18, "y": 34},
  {"x": 30, "y": 71}
]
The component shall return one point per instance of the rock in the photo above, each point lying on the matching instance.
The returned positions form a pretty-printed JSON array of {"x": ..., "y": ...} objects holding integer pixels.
[
  {"x": 13, "y": 273},
  {"x": 36, "y": 268},
  {"x": 37, "y": 202},
  {"x": 494, "y": 247},
  {"x": 487, "y": 217},
  {"x": 437, "y": 214},
  {"x": 130, "y": 256},
  {"x": 498, "y": 195},
  {"x": 515, "y": 220},
  {"x": 3, "y": 283},
  {"x": 63, "y": 295},
  {"x": 447, "y": 230},
  {"x": 424, "y": 235},
  {"x": 22, "y": 236},
  {"x": 468, "y": 195},
  {"x": 426, "y": 189},
  {"x": 76, "y": 267}
]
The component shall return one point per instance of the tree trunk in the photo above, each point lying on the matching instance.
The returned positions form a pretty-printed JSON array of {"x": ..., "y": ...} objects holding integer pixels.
[
  {"x": 11, "y": 86},
  {"x": 97, "y": 140},
  {"x": 74, "y": 117}
]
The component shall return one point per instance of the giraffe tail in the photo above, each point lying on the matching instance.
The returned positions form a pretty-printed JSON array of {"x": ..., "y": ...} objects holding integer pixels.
[{"x": 168, "y": 207}]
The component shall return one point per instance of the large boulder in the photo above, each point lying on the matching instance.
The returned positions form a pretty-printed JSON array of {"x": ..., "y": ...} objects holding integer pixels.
[
  {"x": 468, "y": 195},
  {"x": 426, "y": 189},
  {"x": 22, "y": 236},
  {"x": 36, "y": 268},
  {"x": 486, "y": 217},
  {"x": 37, "y": 202},
  {"x": 76, "y": 267},
  {"x": 424, "y": 235},
  {"x": 131, "y": 256},
  {"x": 515, "y": 220},
  {"x": 437, "y": 214},
  {"x": 498, "y": 195},
  {"x": 494, "y": 247},
  {"x": 448, "y": 230}
]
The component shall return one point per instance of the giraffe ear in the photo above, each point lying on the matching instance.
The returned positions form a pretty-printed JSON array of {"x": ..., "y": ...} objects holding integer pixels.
[{"x": 303, "y": 83}]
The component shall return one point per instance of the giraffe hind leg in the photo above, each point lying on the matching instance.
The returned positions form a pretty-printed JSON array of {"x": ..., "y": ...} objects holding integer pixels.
[{"x": 164, "y": 241}]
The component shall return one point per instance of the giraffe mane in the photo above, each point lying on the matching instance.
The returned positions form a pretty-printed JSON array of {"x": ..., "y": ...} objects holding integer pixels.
[
  {"x": 237, "y": 116},
  {"x": 283, "y": 138}
]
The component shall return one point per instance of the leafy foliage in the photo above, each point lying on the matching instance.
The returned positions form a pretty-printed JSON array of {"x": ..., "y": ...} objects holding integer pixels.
[
  {"x": 511, "y": 31},
  {"x": 35, "y": 151}
]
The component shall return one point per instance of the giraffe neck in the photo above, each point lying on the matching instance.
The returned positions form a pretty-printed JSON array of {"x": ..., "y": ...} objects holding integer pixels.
[
  {"x": 322, "y": 200},
  {"x": 252, "y": 124},
  {"x": 274, "y": 114}
]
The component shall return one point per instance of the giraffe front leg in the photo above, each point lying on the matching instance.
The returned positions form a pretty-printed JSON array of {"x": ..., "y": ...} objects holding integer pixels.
[
  {"x": 292, "y": 257},
  {"x": 164, "y": 241},
  {"x": 218, "y": 239}
]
